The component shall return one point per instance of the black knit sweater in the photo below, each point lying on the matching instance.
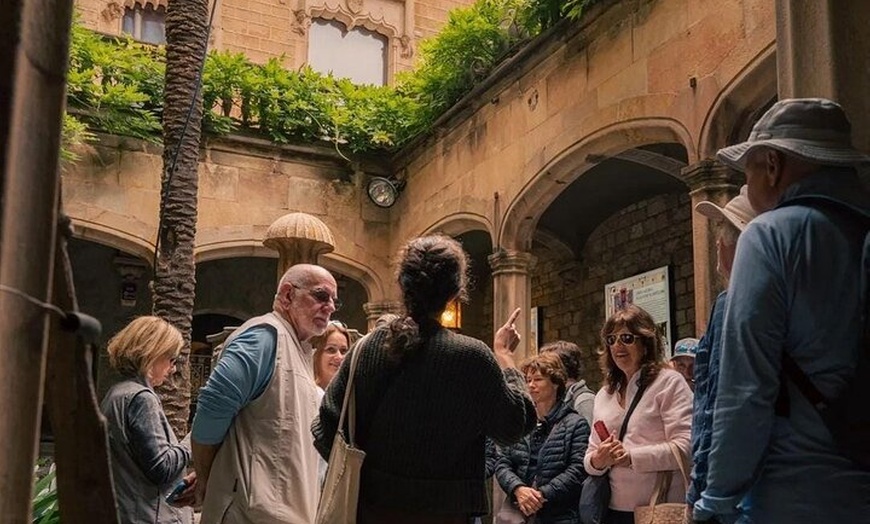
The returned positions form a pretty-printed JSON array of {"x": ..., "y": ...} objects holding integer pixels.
[{"x": 424, "y": 422}]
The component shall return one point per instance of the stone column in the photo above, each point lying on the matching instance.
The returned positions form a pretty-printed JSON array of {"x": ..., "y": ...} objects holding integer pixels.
[
  {"x": 512, "y": 289},
  {"x": 823, "y": 49},
  {"x": 712, "y": 181},
  {"x": 376, "y": 309}
]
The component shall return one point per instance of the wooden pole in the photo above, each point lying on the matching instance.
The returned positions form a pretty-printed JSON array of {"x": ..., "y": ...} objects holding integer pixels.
[
  {"x": 28, "y": 239},
  {"x": 81, "y": 445}
]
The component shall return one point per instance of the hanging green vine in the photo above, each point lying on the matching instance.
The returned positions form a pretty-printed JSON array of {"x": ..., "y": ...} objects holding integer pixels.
[{"x": 115, "y": 85}]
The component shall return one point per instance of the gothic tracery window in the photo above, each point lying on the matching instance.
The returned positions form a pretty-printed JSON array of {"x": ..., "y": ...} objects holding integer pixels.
[
  {"x": 357, "y": 54},
  {"x": 146, "y": 24}
]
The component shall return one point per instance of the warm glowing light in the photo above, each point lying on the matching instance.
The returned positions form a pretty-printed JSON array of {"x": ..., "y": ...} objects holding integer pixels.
[{"x": 451, "y": 317}]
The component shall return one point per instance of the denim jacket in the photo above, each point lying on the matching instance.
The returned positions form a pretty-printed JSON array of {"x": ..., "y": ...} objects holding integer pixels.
[{"x": 706, "y": 381}]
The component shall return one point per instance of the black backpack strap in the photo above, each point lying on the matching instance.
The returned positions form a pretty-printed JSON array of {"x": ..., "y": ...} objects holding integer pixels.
[
  {"x": 803, "y": 383},
  {"x": 790, "y": 368},
  {"x": 633, "y": 405}
]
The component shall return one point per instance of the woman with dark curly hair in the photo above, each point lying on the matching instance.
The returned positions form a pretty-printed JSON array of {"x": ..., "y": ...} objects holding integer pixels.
[
  {"x": 632, "y": 361},
  {"x": 543, "y": 473},
  {"x": 427, "y": 398}
]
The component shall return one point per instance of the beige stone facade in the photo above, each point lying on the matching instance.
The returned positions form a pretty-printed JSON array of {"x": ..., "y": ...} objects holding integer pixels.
[
  {"x": 575, "y": 165},
  {"x": 264, "y": 29}
]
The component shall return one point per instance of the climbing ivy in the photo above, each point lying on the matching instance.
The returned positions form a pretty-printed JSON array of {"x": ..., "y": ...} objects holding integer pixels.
[{"x": 115, "y": 85}]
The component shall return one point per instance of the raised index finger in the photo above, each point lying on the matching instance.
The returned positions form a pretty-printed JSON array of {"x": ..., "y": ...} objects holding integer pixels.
[{"x": 512, "y": 318}]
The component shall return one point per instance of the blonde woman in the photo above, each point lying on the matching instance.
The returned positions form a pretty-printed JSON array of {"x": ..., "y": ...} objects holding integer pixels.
[
  {"x": 329, "y": 351},
  {"x": 147, "y": 460}
]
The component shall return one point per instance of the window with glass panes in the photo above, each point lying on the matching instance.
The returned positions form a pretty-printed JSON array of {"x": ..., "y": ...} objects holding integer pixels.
[
  {"x": 145, "y": 23},
  {"x": 357, "y": 54}
]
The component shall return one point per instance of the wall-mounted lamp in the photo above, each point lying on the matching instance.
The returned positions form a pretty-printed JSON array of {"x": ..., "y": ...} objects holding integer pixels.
[
  {"x": 383, "y": 192},
  {"x": 451, "y": 317}
]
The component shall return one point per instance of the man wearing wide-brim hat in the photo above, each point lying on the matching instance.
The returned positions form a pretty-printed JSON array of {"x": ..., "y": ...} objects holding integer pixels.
[
  {"x": 794, "y": 291},
  {"x": 728, "y": 222}
]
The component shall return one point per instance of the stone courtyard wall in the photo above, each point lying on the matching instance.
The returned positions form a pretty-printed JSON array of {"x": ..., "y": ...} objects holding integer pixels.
[
  {"x": 643, "y": 236},
  {"x": 113, "y": 197}
]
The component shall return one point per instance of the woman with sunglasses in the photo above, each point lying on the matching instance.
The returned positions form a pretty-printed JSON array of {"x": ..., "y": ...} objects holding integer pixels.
[
  {"x": 632, "y": 362},
  {"x": 427, "y": 398},
  {"x": 147, "y": 460}
]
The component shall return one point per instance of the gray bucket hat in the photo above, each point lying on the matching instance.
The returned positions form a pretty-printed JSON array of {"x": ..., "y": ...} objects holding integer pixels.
[{"x": 815, "y": 129}]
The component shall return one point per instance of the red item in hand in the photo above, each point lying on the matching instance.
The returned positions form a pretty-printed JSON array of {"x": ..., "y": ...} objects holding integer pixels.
[{"x": 601, "y": 429}]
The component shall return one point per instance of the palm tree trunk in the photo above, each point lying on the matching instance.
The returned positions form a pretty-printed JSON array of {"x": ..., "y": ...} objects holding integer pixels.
[{"x": 175, "y": 271}]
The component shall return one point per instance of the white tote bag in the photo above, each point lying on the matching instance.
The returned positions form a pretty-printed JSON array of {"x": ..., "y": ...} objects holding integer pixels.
[{"x": 340, "y": 496}]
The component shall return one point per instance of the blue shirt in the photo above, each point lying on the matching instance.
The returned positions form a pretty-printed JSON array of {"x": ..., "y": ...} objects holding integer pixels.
[
  {"x": 240, "y": 376},
  {"x": 794, "y": 287}
]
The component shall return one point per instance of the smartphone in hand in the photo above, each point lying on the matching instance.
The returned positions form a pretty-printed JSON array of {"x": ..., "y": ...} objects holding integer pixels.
[
  {"x": 601, "y": 429},
  {"x": 176, "y": 492}
]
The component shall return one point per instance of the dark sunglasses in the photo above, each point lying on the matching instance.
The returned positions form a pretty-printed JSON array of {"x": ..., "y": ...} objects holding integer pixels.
[
  {"x": 626, "y": 338},
  {"x": 322, "y": 296}
]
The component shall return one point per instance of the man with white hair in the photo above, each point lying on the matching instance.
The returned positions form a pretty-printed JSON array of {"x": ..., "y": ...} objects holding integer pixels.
[
  {"x": 795, "y": 294},
  {"x": 727, "y": 222},
  {"x": 252, "y": 448}
]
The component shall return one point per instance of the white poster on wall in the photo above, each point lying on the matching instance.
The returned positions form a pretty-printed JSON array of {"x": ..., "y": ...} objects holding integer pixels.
[{"x": 650, "y": 291}]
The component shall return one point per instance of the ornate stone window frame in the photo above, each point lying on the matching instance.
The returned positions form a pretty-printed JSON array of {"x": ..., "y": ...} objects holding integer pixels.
[
  {"x": 351, "y": 13},
  {"x": 117, "y": 9}
]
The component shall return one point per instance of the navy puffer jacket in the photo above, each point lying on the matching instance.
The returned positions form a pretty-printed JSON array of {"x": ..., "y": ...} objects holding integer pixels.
[{"x": 560, "y": 473}]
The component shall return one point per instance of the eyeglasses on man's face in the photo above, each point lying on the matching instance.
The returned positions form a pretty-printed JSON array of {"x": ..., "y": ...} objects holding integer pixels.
[
  {"x": 626, "y": 338},
  {"x": 321, "y": 295}
]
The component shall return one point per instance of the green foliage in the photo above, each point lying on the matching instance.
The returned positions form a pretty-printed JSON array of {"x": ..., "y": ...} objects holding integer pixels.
[
  {"x": 474, "y": 40},
  {"x": 116, "y": 85},
  {"x": 74, "y": 134},
  {"x": 45, "y": 505},
  {"x": 538, "y": 15}
]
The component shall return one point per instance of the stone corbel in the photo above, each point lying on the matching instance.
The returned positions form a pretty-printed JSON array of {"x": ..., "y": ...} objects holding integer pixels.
[
  {"x": 112, "y": 12},
  {"x": 407, "y": 46},
  {"x": 303, "y": 22}
]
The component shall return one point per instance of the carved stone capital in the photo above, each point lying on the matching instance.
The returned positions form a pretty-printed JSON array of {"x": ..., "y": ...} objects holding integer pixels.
[
  {"x": 509, "y": 261},
  {"x": 374, "y": 310},
  {"x": 711, "y": 176}
]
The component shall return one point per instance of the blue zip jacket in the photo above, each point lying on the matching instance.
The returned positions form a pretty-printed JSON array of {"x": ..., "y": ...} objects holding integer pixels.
[{"x": 556, "y": 470}]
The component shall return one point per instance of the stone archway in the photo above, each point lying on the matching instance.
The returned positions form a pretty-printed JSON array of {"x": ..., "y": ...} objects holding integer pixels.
[
  {"x": 521, "y": 218},
  {"x": 115, "y": 238},
  {"x": 738, "y": 105},
  {"x": 458, "y": 223}
]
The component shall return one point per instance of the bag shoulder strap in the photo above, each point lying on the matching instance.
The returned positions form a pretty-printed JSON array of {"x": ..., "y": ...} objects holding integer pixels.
[
  {"x": 348, "y": 405},
  {"x": 628, "y": 413},
  {"x": 664, "y": 478},
  {"x": 790, "y": 368}
]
